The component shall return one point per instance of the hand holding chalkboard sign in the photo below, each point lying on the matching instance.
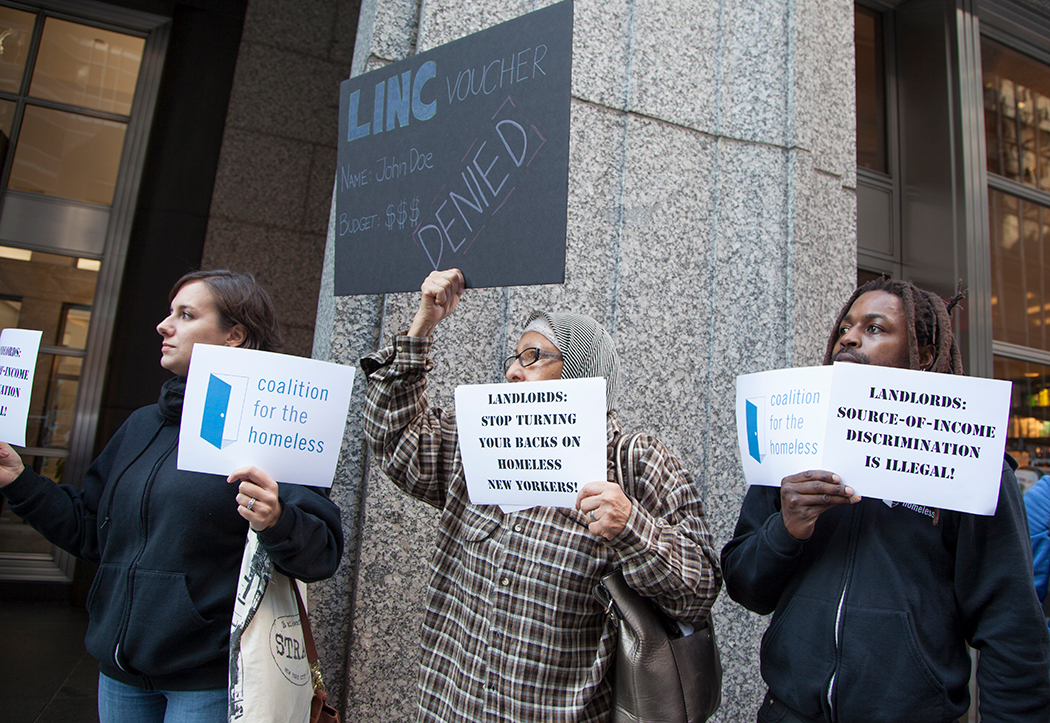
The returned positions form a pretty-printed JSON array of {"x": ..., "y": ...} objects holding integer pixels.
[
  {"x": 806, "y": 495},
  {"x": 439, "y": 296}
]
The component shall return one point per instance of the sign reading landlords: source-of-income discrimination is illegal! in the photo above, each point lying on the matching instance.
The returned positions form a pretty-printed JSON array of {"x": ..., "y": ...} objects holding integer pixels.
[
  {"x": 896, "y": 434},
  {"x": 458, "y": 158}
]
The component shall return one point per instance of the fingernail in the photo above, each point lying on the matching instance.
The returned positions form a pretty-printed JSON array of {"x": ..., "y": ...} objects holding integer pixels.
[{"x": 849, "y": 492}]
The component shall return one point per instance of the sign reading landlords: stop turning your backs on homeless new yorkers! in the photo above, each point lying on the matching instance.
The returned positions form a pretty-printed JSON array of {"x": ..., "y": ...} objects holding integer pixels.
[
  {"x": 283, "y": 414},
  {"x": 896, "y": 434},
  {"x": 531, "y": 444},
  {"x": 458, "y": 157}
]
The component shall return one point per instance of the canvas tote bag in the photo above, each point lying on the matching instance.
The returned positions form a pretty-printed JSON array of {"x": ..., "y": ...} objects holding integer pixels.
[{"x": 270, "y": 679}]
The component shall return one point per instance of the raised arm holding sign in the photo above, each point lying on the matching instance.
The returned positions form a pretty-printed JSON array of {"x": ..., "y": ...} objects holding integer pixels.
[
  {"x": 535, "y": 568},
  {"x": 872, "y": 595}
]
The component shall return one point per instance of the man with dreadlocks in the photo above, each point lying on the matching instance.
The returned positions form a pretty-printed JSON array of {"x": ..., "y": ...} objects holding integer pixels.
[
  {"x": 873, "y": 601},
  {"x": 512, "y": 631}
]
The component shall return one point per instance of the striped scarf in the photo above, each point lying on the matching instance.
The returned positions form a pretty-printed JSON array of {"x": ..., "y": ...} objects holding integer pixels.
[{"x": 587, "y": 349}]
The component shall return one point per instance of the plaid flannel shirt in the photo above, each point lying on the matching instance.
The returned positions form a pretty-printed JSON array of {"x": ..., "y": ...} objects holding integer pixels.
[{"x": 512, "y": 631}]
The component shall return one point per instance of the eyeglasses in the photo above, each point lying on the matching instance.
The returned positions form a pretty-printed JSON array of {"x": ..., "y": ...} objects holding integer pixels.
[{"x": 528, "y": 357}]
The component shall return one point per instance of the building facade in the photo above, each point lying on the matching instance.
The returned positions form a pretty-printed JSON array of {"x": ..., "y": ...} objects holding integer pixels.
[{"x": 735, "y": 167}]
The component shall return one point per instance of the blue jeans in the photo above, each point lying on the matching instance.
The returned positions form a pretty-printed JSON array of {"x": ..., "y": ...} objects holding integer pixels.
[{"x": 122, "y": 703}]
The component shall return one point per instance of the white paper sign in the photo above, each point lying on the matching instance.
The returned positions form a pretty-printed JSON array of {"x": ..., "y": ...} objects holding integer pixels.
[
  {"x": 18, "y": 352},
  {"x": 781, "y": 419},
  {"x": 283, "y": 414},
  {"x": 929, "y": 439},
  {"x": 895, "y": 434},
  {"x": 534, "y": 443}
]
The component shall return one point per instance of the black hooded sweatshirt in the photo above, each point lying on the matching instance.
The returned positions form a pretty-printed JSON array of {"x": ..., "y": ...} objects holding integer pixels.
[
  {"x": 168, "y": 544},
  {"x": 872, "y": 614}
]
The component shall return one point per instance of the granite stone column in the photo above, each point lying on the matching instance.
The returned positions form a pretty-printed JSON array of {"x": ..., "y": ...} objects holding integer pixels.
[{"x": 712, "y": 229}]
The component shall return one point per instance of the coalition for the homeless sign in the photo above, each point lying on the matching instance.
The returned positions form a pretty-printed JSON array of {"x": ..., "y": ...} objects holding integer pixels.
[
  {"x": 18, "y": 353},
  {"x": 531, "y": 444},
  {"x": 458, "y": 157},
  {"x": 281, "y": 413},
  {"x": 900, "y": 435}
]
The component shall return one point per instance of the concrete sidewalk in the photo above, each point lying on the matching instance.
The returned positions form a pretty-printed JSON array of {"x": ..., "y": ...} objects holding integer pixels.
[{"x": 48, "y": 676}]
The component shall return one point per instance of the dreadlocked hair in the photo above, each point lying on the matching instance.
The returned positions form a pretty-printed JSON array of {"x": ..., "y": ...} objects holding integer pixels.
[{"x": 929, "y": 323}]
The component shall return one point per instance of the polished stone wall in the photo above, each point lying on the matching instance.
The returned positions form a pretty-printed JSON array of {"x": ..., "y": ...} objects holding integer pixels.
[
  {"x": 712, "y": 229},
  {"x": 269, "y": 208}
]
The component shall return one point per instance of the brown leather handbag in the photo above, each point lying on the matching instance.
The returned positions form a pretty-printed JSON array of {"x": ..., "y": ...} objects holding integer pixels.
[{"x": 662, "y": 673}]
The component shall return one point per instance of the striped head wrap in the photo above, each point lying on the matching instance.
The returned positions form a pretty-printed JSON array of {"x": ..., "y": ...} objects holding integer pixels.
[{"x": 587, "y": 349}]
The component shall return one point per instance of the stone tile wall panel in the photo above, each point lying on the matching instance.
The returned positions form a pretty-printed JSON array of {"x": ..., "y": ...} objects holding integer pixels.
[{"x": 674, "y": 58}]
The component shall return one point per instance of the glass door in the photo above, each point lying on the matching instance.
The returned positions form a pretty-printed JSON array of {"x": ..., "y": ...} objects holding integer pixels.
[{"x": 76, "y": 95}]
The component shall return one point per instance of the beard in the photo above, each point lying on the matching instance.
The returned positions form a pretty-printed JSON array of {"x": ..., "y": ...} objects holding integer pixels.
[{"x": 848, "y": 355}]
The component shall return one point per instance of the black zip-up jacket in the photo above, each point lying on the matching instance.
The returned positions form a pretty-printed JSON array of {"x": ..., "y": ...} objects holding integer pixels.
[
  {"x": 169, "y": 546},
  {"x": 872, "y": 614}
]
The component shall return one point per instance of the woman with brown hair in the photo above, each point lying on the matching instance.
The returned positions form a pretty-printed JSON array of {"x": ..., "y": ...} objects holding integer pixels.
[{"x": 168, "y": 542}]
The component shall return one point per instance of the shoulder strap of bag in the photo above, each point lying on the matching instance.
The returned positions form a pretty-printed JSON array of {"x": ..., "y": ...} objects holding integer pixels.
[
  {"x": 320, "y": 711},
  {"x": 308, "y": 638},
  {"x": 629, "y": 487}
]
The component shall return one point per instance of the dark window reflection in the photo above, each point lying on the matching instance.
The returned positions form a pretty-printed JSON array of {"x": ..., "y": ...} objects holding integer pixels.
[{"x": 871, "y": 90}]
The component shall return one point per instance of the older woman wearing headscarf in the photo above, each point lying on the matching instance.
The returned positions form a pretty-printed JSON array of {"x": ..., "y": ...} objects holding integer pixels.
[{"x": 512, "y": 631}]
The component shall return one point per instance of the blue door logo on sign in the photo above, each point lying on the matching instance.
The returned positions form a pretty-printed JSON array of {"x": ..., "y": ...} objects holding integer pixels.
[
  {"x": 223, "y": 404},
  {"x": 755, "y": 437}
]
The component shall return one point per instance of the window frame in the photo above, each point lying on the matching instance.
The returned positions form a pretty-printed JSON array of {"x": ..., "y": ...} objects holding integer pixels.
[{"x": 889, "y": 260}]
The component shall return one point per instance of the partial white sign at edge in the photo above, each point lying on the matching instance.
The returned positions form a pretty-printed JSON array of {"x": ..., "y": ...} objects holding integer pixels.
[
  {"x": 283, "y": 414},
  {"x": 19, "y": 349}
]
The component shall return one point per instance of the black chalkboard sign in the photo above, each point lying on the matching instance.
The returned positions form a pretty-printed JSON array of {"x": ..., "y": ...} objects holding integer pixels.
[{"x": 458, "y": 157}]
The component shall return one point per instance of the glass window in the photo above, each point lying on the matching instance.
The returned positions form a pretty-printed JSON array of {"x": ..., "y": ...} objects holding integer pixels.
[
  {"x": 87, "y": 67},
  {"x": 1020, "y": 246},
  {"x": 7, "y": 118},
  {"x": 50, "y": 293},
  {"x": 75, "y": 322},
  {"x": 871, "y": 90},
  {"x": 10, "y": 307},
  {"x": 67, "y": 155},
  {"x": 1028, "y": 437},
  {"x": 1016, "y": 115},
  {"x": 52, "y": 423},
  {"x": 66, "y": 98},
  {"x": 865, "y": 275},
  {"x": 16, "y": 33}
]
